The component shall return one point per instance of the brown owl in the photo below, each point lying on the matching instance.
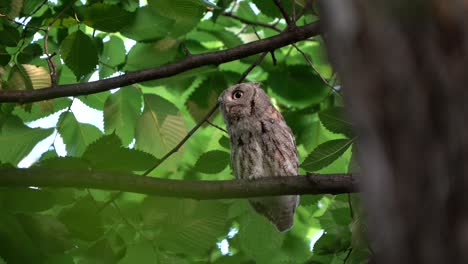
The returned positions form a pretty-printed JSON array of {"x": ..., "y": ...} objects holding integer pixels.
[{"x": 262, "y": 145}]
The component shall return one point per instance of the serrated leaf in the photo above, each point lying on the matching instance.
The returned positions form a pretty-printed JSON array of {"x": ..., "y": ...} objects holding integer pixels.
[
  {"x": 17, "y": 140},
  {"x": 185, "y": 13},
  {"x": 27, "y": 77},
  {"x": 325, "y": 154},
  {"x": 79, "y": 53},
  {"x": 333, "y": 120},
  {"x": 121, "y": 159},
  {"x": 76, "y": 136},
  {"x": 121, "y": 112},
  {"x": 160, "y": 127},
  {"x": 186, "y": 226},
  {"x": 148, "y": 55},
  {"x": 30, "y": 52},
  {"x": 212, "y": 162},
  {"x": 148, "y": 25},
  {"x": 95, "y": 101},
  {"x": 70, "y": 163},
  {"x": 107, "y": 18}
]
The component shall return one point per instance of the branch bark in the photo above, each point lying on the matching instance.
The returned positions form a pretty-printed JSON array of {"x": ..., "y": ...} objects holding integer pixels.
[
  {"x": 191, "y": 62},
  {"x": 196, "y": 189}
]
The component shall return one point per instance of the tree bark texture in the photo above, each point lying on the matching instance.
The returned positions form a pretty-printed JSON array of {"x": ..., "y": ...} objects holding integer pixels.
[{"x": 404, "y": 68}]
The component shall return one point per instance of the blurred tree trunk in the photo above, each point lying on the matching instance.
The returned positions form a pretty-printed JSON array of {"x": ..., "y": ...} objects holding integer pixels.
[{"x": 404, "y": 67}]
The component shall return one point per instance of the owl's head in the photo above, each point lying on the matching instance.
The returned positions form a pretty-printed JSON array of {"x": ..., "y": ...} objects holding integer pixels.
[{"x": 244, "y": 100}]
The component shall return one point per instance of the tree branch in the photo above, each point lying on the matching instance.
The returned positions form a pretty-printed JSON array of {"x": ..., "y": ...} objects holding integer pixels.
[
  {"x": 191, "y": 62},
  {"x": 196, "y": 189}
]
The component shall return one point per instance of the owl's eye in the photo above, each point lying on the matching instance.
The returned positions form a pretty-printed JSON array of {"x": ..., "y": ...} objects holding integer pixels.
[{"x": 237, "y": 94}]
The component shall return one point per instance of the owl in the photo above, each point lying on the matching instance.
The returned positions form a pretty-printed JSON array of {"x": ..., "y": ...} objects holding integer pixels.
[{"x": 262, "y": 145}]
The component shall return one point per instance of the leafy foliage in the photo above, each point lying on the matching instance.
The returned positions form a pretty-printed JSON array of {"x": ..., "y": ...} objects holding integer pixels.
[{"x": 131, "y": 129}]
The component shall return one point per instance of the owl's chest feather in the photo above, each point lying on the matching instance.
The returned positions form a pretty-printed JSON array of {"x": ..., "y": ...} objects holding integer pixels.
[{"x": 257, "y": 152}]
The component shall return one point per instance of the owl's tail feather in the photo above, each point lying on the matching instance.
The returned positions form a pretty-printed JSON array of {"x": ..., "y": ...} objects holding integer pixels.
[{"x": 279, "y": 210}]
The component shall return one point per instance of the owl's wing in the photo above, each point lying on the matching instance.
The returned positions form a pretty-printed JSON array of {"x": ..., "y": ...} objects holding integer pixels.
[{"x": 280, "y": 146}]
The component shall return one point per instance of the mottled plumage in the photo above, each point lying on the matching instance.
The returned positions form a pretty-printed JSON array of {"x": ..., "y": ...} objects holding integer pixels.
[{"x": 262, "y": 145}]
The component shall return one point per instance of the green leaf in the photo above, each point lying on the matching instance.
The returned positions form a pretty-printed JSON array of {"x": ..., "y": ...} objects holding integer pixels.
[
  {"x": 160, "y": 127},
  {"x": 212, "y": 162},
  {"x": 95, "y": 101},
  {"x": 83, "y": 219},
  {"x": 107, "y": 18},
  {"x": 79, "y": 53},
  {"x": 325, "y": 154},
  {"x": 50, "y": 235},
  {"x": 26, "y": 200},
  {"x": 148, "y": 55},
  {"x": 16, "y": 245},
  {"x": 41, "y": 109},
  {"x": 121, "y": 111},
  {"x": 258, "y": 238},
  {"x": 186, "y": 226},
  {"x": 297, "y": 86},
  {"x": 206, "y": 94},
  {"x": 31, "y": 5},
  {"x": 17, "y": 140},
  {"x": 76, "y": 136},
  {"x": 10, "y": 36},
  {"x": 330, "y": 244},
  {"x": 270, "y": 9},
  {"x": 185, "y": 13},
  {"x": 30, "y": 52},
  {"x": 66, "y": 163},
  {"x": 141, "y": 252},
  {"x": 112, "y": 55},
  {"x": 334, "y": 120},
  {"x": 5, "y": 57},
  {"x": 224, "y": 142},
  {"x": 27, "y": 77},
  {"x": 147, "y": 25},
  {"x": 106, "y": 154}
]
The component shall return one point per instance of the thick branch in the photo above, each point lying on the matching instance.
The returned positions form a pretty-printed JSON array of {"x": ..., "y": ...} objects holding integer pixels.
[
  {"x": 196, "y": 189},
  {"x": 191, "y": 62}
]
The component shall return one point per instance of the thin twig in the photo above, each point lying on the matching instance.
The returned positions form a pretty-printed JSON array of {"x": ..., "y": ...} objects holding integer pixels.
[
  {"x": 350, "y": 205},
  {"x": 306, "y": 6},
  {"x": 309, "y": 61},
  {"x": 293, "y": 14},
  {"x": 37, "y": 8},
  {"x": 249, "y": 22},
  {"x": 50, "y": 62},
  {"x": 347, "y": 255},
  {"x": 216, "y": 126},
  {"x": 280, "y": 6},
  {"x": 251, "y": 67},
  {"x": 179, "y": 145}
]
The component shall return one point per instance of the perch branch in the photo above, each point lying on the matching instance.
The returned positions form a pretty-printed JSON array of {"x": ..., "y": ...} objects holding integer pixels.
[
  {"x": 191, "y": 62},
  {"x": 196, "y": 189}
]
